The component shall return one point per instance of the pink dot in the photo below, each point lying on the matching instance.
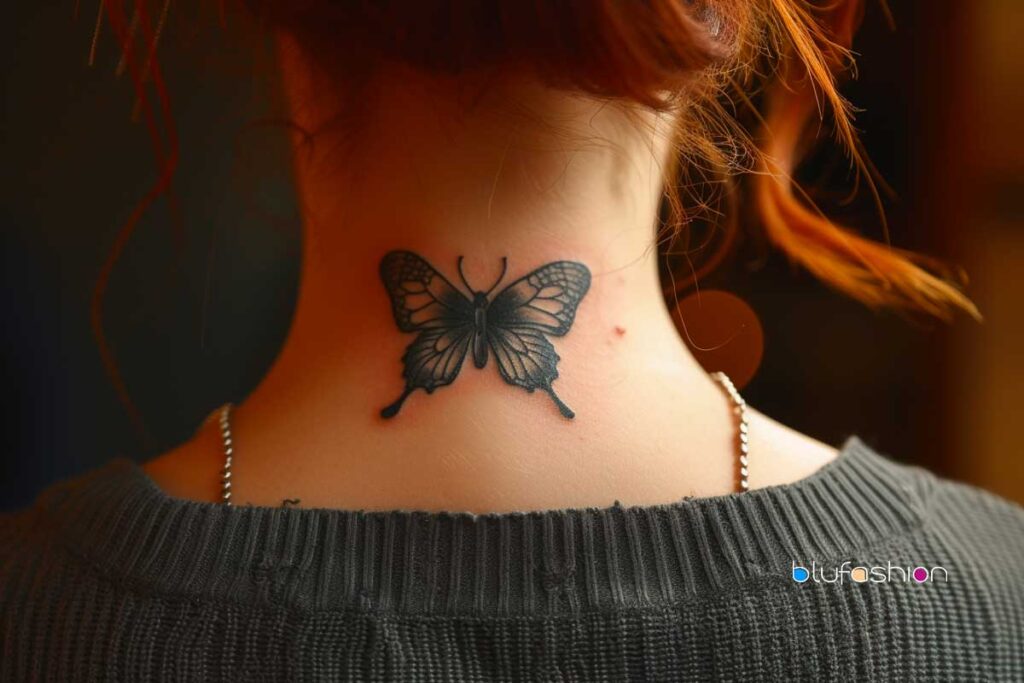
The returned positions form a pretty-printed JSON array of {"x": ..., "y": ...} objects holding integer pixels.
[{"x": 920, "y": 575}]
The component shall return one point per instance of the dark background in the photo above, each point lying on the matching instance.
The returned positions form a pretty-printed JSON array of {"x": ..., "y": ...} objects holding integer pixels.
[{"x": 197, "y": 325}]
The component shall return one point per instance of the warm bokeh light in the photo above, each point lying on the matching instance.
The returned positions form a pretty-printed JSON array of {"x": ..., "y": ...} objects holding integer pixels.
[{"x": 723, "y": 333}]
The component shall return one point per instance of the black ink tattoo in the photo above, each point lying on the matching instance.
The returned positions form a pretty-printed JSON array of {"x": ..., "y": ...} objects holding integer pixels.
[{"x": 512, "y": 325}]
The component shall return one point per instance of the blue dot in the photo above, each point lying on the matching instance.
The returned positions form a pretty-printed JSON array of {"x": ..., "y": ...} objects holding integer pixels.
[{"x": 800, "y": 574}]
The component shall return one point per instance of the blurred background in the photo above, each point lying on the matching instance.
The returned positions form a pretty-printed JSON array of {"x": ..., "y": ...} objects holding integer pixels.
[{"x": 196, "y": 319}]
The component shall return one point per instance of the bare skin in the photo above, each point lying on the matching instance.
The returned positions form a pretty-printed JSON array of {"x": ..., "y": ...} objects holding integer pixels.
[{"x": 446, "y": 167}]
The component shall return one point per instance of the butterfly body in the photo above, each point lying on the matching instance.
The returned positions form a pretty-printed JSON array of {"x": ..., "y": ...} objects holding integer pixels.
[
  {"x": 480, "y": 304},
  {"x": 512, "y": 326}
]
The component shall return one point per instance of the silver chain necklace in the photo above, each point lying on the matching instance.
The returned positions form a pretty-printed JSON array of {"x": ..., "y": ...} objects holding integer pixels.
[{"x": 739, "y": 410}]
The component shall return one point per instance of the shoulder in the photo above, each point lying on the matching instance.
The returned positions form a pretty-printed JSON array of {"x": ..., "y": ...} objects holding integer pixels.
[
  {"x": 30, "y": 562},
  {"x": 979, "y": 519},
  {"x": 942, "y": 562},
  {"x": 978, "y": 538},
  {"x": 966, "y": 516},
  {"x": 28, "y": 535},
  {"x": 19, "y": 527},
  {"x": 38, "y": 542}
]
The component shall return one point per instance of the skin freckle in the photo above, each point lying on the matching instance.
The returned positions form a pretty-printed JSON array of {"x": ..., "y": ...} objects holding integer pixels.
[{"x": 619, "y": 330}]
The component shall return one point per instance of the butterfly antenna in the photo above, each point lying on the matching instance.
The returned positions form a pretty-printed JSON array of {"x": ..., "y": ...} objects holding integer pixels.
[
  {"x": 462, "y": 276},
  {"x": 504, "y": 267}
]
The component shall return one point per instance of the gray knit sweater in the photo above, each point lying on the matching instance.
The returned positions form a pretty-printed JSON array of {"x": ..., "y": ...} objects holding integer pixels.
[{"x": 866, "y": 570}]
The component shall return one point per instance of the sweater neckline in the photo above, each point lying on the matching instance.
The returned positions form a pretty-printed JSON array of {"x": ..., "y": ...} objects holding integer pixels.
[{"x": 118, "y": 520}]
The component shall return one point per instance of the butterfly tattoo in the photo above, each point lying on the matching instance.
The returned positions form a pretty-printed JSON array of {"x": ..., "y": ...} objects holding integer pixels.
[{"x": 511, "y": 326}]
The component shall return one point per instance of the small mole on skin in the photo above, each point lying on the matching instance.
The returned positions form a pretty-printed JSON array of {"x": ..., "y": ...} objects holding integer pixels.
[{"x": 620, "y": 330}]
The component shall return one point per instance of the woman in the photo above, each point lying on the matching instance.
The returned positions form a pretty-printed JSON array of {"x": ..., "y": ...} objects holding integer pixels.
[{"x": 484, "y": 452}]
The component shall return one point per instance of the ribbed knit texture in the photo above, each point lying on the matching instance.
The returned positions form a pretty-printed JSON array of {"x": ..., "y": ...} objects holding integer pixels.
[{"x": 108, "y": 578}]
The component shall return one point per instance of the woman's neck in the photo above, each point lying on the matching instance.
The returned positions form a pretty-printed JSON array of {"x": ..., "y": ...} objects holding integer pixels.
[
  {"x": 448, "y": 168},
  {"x": 487, "y": 170}
]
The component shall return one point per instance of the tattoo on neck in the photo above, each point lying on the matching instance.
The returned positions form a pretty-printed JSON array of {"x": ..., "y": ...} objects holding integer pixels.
[{"x": 512, "y": 326}]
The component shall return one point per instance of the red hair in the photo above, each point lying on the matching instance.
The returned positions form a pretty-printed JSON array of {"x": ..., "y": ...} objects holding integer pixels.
[{"x": 701, "y": 59}]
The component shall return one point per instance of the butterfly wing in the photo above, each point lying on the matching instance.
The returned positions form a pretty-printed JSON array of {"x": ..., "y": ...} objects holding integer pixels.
[
  {"x": 541, "y": 303},
  {"x": 435, "y": 357},
  {"x": 421, "y": 298},
  {"x": 423, "y": 301},
  {"x": 525, "y": 358},
  {"x": 545, "y": 300}
]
